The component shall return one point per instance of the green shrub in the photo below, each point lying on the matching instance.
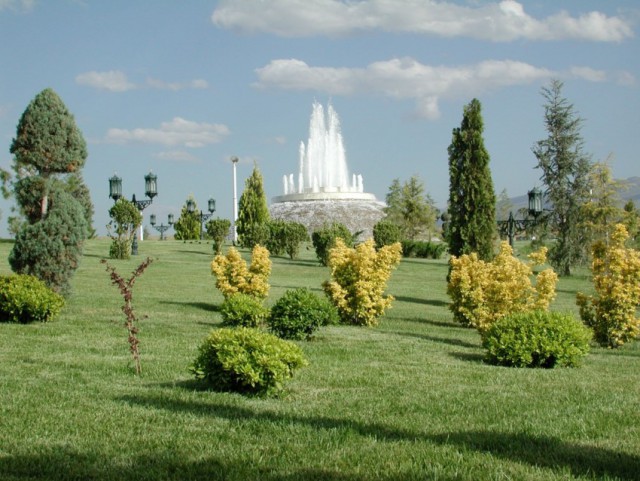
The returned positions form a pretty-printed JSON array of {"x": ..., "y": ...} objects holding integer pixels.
[
  {"x": 386, "y": 233},
  {"x": 217, "y": 230},
  {"x": 325, "y": 238},
  {"x": 25, "y": 298},
  {"x": 275, "y": 242},
  {"x": 254, "y": 234},
  {"x": 120, "y": 249},
  {"x": 243, "y": 310},
  {"x": 246, "y": 360},
  {"x": 299, "y": 313},
  {"x": 536, "y": 339},
  {"x": 51, "y": 249},
  {"x": 423, "y": 249},
  {"x": 295, "y": 235}
]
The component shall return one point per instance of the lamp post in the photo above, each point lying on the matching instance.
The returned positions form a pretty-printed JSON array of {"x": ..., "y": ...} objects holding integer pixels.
[
  {"x": 150, "y": 190},
  {"x": 512, "y": 226},
  {"x": 234, "y": 161},
  {"x": 191, "y": 207},
  {"x": 161, "y": 228}
]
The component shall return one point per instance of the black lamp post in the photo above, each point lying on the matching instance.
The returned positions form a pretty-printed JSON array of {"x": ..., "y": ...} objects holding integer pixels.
[
  {"x": 150, "y": 190},
  {"x": 512, "y": 226},
  {"x": 161, "y": 228},
  {"x": 191, "y": 207}
]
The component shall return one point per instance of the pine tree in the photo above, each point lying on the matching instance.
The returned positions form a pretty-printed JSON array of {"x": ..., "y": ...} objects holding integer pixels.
[
  {"x": 48, "y": 149},
  {"x": 472, "y": 200},
  {"x": 253, "y": 212},
  {"x": 566, "y": 175},
  {"x": 411, "y": 209}
]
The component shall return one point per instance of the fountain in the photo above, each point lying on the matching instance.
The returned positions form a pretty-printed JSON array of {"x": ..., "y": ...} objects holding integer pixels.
[{"x": 324, "y": 191}]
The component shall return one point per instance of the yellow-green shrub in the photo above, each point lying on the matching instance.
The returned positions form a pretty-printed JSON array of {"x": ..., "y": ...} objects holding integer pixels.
[
  {"x": 359, "y": 278},
  {"x": 246, "y": 360},
  {"x": 613, "y": 312},
  {"x": 233, "y": 275},
  {"x": 482, "y": 292}
]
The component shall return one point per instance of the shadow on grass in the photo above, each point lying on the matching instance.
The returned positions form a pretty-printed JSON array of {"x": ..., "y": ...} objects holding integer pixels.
[
  {"x": 67, "y": 464},
  {"x": 208, "y": 253},
  {"x": 540, "y": 451},
  {"x": 448, "y": 325},
  {"x": 416, "y": 300},
  {"x": 205, "y": 306},
  {"x": 443, "y": 340},
  {"x": 468, "y": 357},
  {"x": 548, "y": 452}
]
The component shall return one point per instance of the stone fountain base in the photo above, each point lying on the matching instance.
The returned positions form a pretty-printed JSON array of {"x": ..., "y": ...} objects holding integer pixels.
[{"x": 357, "y": 213}]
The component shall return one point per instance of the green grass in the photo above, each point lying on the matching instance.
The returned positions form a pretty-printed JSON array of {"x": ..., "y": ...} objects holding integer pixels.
[{"x": 408, "y": 400}]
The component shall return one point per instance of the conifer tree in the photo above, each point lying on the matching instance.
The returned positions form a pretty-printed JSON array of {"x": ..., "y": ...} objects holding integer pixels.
[
  {"x": 411, "y": 209},
  {"x": 566, "y": 175},
  {"x": 48, "y": 150},
  {"x": 472, "y": 200},
  {"x": 253, "y": 212}
]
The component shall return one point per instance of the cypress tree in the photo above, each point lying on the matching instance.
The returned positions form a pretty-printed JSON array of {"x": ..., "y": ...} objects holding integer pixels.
[
  {"x": 472, "y": 200},
  {"x": 253, "y": 212}
]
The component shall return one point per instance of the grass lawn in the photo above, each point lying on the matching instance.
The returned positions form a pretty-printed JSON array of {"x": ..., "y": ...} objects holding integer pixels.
[{"x": 408, "y": 400}]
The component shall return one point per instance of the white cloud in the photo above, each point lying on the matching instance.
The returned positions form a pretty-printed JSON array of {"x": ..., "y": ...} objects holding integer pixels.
[
  {"x": 177, "y": 132},
  {"x": 496, "y": 21},
  {"x": 402, "y": 78},
  {"x": 117, "y": 81},
  {"x": 17, "y": 5},
  {"x": 589, "y": 74},
  {"x": 625, "y": 78},
  {"x": 162, "y": 85},
  {"x": 113, "y": 80},
  {"x": 177, "y": 156}
]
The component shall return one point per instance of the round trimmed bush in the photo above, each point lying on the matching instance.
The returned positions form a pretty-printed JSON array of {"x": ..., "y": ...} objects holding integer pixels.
[
  {"x": 536, "y": 339},
  {"x": 246, "y": 360},
  {"x": 25, "y": 298},
  {"x": 243, "y": 310},
  {"x": 299, "y": 313}
]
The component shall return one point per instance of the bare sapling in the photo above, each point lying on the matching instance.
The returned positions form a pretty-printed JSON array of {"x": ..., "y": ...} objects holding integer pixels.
[{"x": 126, "y": 289}]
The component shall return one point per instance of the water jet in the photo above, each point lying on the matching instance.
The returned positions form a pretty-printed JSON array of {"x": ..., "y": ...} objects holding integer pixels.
[{"x": 324, "y": 191}]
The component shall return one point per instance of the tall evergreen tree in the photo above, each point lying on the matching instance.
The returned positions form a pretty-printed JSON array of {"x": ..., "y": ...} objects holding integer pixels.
[
  {"x": 253, "y": 212},
  {"x": 472, "y": 200},
  {"x": 566, "y": 175},
  {"x": 48, "y": 149},
  {"x": 602, "y": 211}
]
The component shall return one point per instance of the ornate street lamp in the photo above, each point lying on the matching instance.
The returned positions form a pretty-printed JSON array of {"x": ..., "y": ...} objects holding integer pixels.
[
  {"x": 513, "y": 226},
  {"x": 191, "y": 207},
  {"x": 150, "y": 190},
  {"x": 161, "y": 228}
]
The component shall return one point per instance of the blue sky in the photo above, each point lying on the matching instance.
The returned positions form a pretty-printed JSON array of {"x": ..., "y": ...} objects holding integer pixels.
[{"x": 179, "y": 88}]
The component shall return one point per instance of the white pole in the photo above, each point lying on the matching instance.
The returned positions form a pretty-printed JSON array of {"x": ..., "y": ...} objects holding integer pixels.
[{"x": 234, "y": 161}]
